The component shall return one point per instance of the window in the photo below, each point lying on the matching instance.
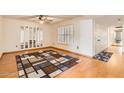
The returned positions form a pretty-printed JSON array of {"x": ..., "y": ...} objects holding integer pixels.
[
  {"x": 65, "y": 34},
  {"x": 30, "y": 37}
]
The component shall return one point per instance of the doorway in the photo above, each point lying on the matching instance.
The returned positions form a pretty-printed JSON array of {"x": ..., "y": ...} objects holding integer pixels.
[{"x": 117, "y": 40}]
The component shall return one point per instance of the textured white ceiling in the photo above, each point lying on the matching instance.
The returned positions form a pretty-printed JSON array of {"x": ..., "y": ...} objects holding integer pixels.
[
  {"x": 57, "y": 18},
  {"x": 109, "y": 20},
  {"x": 102, "y": 19}
]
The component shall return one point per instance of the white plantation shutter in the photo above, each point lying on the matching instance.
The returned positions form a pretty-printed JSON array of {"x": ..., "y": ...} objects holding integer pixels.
[{"x": 65, "y": 34}]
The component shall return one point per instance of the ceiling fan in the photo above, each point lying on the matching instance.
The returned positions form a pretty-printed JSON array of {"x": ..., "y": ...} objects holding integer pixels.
[
  {"x": 45, "y": 19},
  {"x": 41, "y": 18}
]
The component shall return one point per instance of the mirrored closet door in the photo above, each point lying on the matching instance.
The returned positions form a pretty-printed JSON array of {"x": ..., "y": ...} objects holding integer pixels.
[{"x": 30, "y": 37}]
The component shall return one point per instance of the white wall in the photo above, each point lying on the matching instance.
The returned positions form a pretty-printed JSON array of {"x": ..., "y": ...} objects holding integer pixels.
[
  {"x": 12, "y": 33},
  {"x": 76, "y": 24},
  {"x": 83, "y": 36},
  {"x": 1, "y": 34},
  {"x": 111, "y": 38},
  {"x": 90, "y": 36}
]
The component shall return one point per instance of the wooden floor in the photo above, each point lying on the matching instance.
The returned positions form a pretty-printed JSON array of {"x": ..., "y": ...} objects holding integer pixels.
[{"x": 87, "y": 68}]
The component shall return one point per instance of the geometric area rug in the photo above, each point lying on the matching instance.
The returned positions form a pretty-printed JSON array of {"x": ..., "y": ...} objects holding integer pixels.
[
  {"x": 103, "y": 56},
  {"x": 45, "y": 64}
]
